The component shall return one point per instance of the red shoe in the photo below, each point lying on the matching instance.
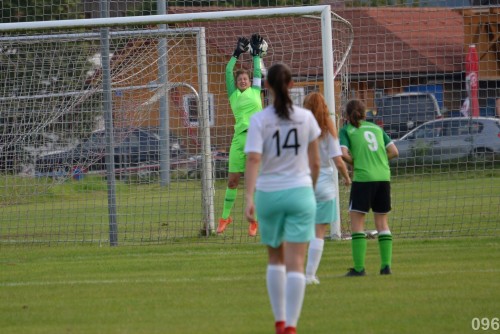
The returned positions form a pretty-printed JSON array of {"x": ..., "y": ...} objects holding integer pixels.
[
  {"x": 290, "y": 330},
  {"x": 252, "y": 229},
  {"x": 280, "y": 327},
  {"x": 223, "y": 223}
]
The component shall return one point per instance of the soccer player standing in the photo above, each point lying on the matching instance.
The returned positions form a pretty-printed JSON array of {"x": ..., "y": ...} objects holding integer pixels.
[
  {"x": 245, "y": 100},
  {"x": 326, "y": 189},
  {"x": 368, "y": 148},
  {"x": 282, "y": 168}
]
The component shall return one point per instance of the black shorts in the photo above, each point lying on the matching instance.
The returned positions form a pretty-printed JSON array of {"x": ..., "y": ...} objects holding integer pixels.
[{"x": 370, "y": 195}]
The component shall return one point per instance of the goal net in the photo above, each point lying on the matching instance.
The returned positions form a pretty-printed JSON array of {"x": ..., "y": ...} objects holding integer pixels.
[{"x": 118, "y": 130}]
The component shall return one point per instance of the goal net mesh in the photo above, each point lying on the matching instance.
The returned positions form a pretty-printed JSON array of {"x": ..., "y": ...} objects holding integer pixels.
[{"x": 55, "y": 173}]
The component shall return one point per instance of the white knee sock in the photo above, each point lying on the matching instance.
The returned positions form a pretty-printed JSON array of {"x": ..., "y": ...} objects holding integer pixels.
[
  {"x": 276, "y": 285},
  {"x": 314, "y": 256},
  {"x": 295, "y": 291}
]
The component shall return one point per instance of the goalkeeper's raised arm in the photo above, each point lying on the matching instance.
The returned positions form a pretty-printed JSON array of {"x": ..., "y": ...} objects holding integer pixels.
[
  {"x": 241, "y": 47},
  {"x": 256, "y": 50}
]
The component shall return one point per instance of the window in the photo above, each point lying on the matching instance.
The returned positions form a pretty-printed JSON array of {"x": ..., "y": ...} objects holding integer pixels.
[
  {"x": 428, "y": 131},
  {"x": 191, "y": 109},
  {"x": 476, "y": 128}
]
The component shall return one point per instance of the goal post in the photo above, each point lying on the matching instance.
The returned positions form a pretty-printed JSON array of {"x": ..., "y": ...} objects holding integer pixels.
[{"x": 65, "y": 99}]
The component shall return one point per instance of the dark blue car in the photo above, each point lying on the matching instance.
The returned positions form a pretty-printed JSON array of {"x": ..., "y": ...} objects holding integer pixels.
[{"x": 135, "y": 150}]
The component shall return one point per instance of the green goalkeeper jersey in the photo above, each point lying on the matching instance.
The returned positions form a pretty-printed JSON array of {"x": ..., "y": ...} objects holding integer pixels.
[
  {"x": 367, "y": 145},
  {"x": 244, "y": 104}
]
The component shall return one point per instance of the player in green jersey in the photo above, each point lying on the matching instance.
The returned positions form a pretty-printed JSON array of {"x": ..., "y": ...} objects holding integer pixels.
[
  {"x": 368, "y": 148},
  {"x": 245, "y": 100}
]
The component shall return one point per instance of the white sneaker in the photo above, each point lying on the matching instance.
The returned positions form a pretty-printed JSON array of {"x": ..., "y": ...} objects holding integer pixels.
[{"x": 312, "y": 280}]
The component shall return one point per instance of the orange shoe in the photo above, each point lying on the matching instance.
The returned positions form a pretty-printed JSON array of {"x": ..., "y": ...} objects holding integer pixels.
[
  {"x": 223, "y": 223},
  {"x": 252, "y": 229},
  {"x": 280, "y": 327},
  {"x": 290, "y": 330}
]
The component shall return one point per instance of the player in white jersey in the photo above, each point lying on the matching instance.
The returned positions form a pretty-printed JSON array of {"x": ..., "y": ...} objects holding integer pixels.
[
  {"x": 326, "y": 188},
  {"x": 282, "y": 168}
]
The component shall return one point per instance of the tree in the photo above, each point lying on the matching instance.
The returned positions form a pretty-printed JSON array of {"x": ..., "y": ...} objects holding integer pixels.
[{"x": 40, "y": 10}]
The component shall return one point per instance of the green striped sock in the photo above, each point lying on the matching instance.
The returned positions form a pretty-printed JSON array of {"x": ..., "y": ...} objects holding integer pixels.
[
  {"x": 229, "y": 202},
  {"x": 358, "y": 250},
  {"x": 385, "y": 247}
]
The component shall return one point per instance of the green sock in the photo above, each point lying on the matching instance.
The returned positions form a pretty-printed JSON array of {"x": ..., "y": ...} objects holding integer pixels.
[
  {"x": 229, "y": 202},
  {"x": 385, "y": 247},
  {"x": 358, "y": 250}
]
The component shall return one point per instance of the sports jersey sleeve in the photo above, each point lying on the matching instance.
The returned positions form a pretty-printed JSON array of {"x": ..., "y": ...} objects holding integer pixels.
[
  {"x": 387, "y": 139},
  {"x": 230, "y": 85},
  {"x": 333, "y": 147},
  {"x": 343, "y": 137},
  {"x": 254, "y": 142},
  {"x": 257, "y": 73}
]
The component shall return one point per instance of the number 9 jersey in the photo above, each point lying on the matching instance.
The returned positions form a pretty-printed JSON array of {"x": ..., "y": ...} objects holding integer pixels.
[
  {"x": 283, "y": 145},
  {"x": 367, "y": 146}
]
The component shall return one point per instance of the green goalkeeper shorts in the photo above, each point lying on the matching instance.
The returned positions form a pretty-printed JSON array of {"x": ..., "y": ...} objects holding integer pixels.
[{"x": 237, "y": 156}]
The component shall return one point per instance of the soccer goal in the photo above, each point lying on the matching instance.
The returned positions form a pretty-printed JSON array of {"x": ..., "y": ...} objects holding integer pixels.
[{"x": 129, "y": 124}]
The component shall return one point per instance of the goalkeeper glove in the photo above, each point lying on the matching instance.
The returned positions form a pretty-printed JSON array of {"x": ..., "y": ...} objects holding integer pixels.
[
  {"x": 256, "y": 44},
  {"x": 241, "y": 46}
]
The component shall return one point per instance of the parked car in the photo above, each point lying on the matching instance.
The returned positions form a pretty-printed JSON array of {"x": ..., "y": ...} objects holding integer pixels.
[
  {"x": 449, "y": 139},
  {"x": 136, "y": 151},
  {"x": 400, "y": 113},
  {"x": 220, "y": 160},
  {"x": 453, "y": 113}
]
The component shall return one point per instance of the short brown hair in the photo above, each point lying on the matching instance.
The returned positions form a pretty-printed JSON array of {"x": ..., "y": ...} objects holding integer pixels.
[
  {"x": 240, "y": 72},
  {"x": 356, "y": 111}
]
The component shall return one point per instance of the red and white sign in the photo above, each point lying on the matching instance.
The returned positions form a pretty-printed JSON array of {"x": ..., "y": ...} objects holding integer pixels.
[{"x": 472, "y": 80}]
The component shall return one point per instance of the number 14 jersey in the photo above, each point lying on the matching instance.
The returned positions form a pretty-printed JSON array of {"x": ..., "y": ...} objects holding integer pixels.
[{"x": 283, "y": 145}]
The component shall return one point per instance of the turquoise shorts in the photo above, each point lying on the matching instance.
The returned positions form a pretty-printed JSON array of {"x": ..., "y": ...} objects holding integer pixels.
[
  {"x": 286, "y": 215},
  {"x": 237, "y": 155},
  {"x": 326, "y": 212}
]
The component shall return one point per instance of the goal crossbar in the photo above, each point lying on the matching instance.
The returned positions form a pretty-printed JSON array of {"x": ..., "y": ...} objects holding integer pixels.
[{"x": 165, "y": 18}]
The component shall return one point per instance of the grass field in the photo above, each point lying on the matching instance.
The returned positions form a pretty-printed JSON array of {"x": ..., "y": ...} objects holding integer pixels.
[
  {"x": 449, "y": 204},
  {"x": 438, "y": 286}
]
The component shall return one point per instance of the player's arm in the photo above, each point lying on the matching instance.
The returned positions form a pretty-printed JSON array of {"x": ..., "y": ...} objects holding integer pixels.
[
  {"x": 390, "y": 147},
  {"x": 241, "y": 46},
  {"x": 392, "y": 151},
  {"x": 251, "y": 172},
  {"x": 346, "y": 156},
  {"x": 255, "y": 43},
  {"x": 342, "y": 168},
  {"x": 230, "y": 85},
  {"x": 335, "y": 152},
  {"x": 344, "y": 146},
  {"x": 314, "y": 160}
]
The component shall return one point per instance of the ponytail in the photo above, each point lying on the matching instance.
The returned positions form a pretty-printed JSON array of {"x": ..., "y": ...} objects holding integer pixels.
[{"x": 279, "y": 78}]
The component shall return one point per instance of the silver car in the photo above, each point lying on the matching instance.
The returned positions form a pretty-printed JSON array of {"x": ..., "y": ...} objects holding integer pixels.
[{"x": 473, "y": 139}]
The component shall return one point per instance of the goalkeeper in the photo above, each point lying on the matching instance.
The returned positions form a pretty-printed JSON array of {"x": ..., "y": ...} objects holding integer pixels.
[{"x": 245, "y": 100}]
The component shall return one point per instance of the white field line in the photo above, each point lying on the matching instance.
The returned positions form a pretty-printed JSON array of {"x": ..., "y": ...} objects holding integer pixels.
[
  {"x": 128, "y": 281},
  {"x": 220, "y": 279}
]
